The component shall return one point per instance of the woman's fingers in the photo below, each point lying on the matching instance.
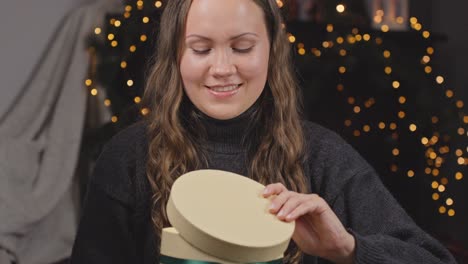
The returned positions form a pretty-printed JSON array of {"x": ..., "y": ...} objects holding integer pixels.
[{"x": 273, "y": 189}]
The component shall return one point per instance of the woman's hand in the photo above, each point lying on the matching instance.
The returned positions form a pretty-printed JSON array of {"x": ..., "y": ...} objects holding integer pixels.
[{"x": 318, "y": 230}]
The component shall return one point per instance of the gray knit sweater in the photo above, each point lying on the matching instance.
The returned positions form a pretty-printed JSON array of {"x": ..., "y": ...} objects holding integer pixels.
[{"x": 116, "y": 227}]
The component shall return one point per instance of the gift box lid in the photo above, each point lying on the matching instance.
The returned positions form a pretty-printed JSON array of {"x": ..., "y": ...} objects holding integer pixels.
[{"x": 225, "y": 215}]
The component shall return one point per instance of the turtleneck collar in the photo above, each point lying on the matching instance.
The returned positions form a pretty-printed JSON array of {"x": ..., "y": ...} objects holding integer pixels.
[{"x": 227, "y": 136}]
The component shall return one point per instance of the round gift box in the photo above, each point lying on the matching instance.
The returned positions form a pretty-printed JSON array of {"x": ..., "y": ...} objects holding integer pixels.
[{"x": 225, "y": 215}]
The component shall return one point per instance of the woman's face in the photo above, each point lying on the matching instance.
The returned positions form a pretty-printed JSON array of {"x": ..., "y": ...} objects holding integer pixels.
[{"x": 224, "y": 61}]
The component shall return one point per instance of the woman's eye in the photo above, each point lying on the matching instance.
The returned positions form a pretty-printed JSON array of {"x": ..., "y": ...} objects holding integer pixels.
[
  {"x": 242, "y": 50},
  {"x": 201, "y": 51}
]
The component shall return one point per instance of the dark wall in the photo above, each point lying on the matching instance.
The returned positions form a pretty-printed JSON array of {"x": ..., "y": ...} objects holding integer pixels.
[{"x": 451, "y": 61}]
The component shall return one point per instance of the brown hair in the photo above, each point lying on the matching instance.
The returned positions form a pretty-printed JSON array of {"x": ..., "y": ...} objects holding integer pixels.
[{"x": 277, "y": 155}]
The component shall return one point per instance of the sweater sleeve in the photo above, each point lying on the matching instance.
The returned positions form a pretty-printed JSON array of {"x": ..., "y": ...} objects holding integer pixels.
[
  {"x": 383, "y": 231},
  {"x": 104, "y": 233}
]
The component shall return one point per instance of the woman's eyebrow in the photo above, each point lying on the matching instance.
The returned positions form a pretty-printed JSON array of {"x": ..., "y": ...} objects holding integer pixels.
[{"x": 232, "y": 38}]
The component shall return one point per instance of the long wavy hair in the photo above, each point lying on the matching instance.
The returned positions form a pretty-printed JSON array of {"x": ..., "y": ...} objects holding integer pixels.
[{"x": 276, "y": 154}]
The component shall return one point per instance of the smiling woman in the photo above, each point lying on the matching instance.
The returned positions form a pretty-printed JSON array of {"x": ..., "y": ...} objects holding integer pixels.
[
  {"x": 224, "y": 65},
  {"x": 226, "y": 98}
]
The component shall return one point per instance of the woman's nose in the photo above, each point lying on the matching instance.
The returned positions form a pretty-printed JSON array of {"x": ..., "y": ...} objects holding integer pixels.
[{"x": 223, "y": 65}]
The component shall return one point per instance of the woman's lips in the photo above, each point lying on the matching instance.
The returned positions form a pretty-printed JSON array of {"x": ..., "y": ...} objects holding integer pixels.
[{"x": 224, "y": 91}]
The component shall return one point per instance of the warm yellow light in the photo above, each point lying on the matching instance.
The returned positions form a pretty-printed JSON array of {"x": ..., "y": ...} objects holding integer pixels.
[
  {"x": 381, "y": 125},
  {"x": 97, "y": 31},
  {"x": 139, "y": 3},
  {"x": 451, "y": 212},
  {"x": 435, "y": 196},
  {"x": 114, "y": 119},
  {"x": 329, "y": 28},
  {"x": 107, "y": 102},
  {"x": 458, "y": 152},
  {"x": 413, "y": 127},
  {"x": 434, "y": 185},
  {"x": 424, "y": 140},
  {"x": 143, "y": 38},
  {"x": 379, "y": 12},
  {"x": 418, "y": 26},
  {"x": 127, "y": 14},
  {"x": 428, "y": 171},
  {"x": 461, "y": 130},
  {"x": 396, "y": 84},
  {"x": 88, "y": 82},
  {"x": 301, "y": 51},
  {"x": 351, "y": 100},
  {"x": 356, "y": 133},
  {"x": 112, "y": 21},
  {"x": 393, "y": 126},
  {"x": 351, "y": 39},
  {"x": 458, "y": 176},
  {"x": 342, "y": 69},
  {"x": 461, "y": 161},
  {"x": 459, "y": 104},
  {"x": 401, "y": 114},
  {"x": 357, "y": 109},
  {"x": 430, "y": 50},
  {"x": 123, "y": 64},
  {"x": 384, "y": 28},
  {"x": 117, "y": 23},
  {"x": 449, "y": 201},
  {"x": 339, "y": 40},
  {"x": 402, "y": 100},
  {"x": 366, "y": 128},
  {"x": 441, "y": 188},
  {"x": 279, "y": 3},
  {"x": 426, "y": 34},
  {"x": 366, "y": 37},
  {"x": 130, "y": 82},
  {"x": 432, "y": 155},
  {"x": 428, "y": 69},
  {"x": 410, "y": 173},
  {"x": 158, "y": 4},
  {"x": 395, "y": 152},
  {"x": 465, "y": 119},
  {"x": 132, "y": 48},
  {"x": 386, "y": 54},
  {"x": 145, "y": 111},
  {"x": 94, "y": 92},
  {"x": 413, "y": 20},
  {"x": 400, "y": 20},
  {"x": 292, "y": 39},
  {"x": 358, "y": 37},
  {"x": 128, "y": 8},
  {"x": 449, "y": 93},
  {"x": 137, "y": 99},
  {"x": 114, "y": 43},
  {"x": 340, "y": 87},
  {"x": 342, "y": 52},
  {"x": 316, "y": 52},
  {"x": 388, "y": 70},
  {"x": 325, "y": 44},
  {"x": 145, "y": 19},
  {"x": 426, "y": 59},
  {"x": 110, "y": 36},
  {"x": 340, "y": 8},
  {"x": 435, "y": 173},
  {"x": 439, "y": 79},
  {"x": 442, "y": 209}
]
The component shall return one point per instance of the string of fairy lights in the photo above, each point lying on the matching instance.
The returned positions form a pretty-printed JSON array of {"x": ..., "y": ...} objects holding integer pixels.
[{"x": 438, "y": 149}]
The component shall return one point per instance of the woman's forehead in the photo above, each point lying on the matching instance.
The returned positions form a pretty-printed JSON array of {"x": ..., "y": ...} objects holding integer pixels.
[{"x": 224, "y": 17}]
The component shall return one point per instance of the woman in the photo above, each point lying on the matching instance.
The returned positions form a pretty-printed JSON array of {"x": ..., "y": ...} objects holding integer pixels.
[{"x": 223, "y": 96}]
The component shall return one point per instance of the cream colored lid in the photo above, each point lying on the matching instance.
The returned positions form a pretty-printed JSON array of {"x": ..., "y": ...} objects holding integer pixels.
[
  {"x": 225, "y": 215},
  {"x": 173, "y": 245}
]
